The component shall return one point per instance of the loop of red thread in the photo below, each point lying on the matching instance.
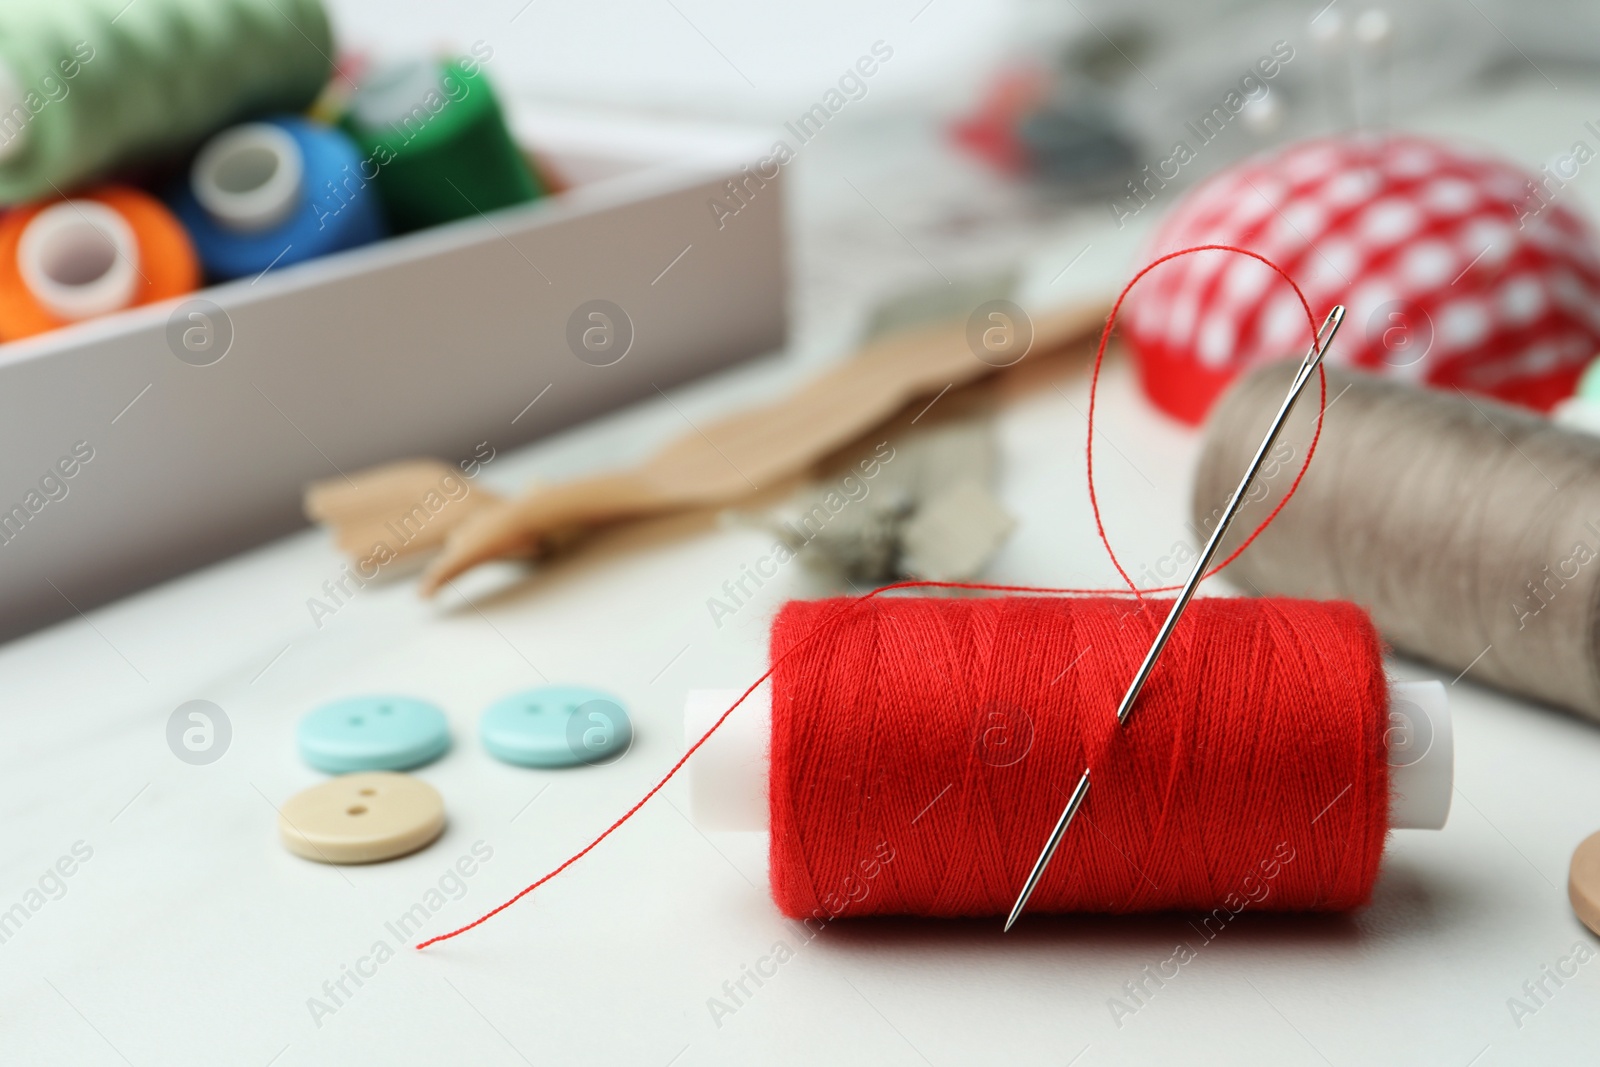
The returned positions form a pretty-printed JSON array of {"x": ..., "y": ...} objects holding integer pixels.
[
  {"x": 922, "y": 749},
  {"x": 846, "y": 605},
  {"x": 1094, "y": 383}
]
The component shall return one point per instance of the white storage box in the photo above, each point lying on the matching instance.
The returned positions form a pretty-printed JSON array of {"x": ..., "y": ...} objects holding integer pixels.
[{"x": 426, "y": 344}]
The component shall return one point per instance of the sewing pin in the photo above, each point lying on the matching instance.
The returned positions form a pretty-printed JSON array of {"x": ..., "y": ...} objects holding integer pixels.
[{"x": 1308, "y": 364}]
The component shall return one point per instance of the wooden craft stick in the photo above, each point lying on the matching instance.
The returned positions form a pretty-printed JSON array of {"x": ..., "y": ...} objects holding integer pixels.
[
  {"x": 407, "y": 507},
  {"x": 736, "y": 456},
  {"x": 394, "y": 505}
]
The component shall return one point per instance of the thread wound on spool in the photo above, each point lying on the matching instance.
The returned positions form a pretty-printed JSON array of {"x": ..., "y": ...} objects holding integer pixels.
[
  {"x": 949, "y": 731},
  {"x": 165, "y": 262},
  {"x": 1468, "y": 528},
  {"x": 13, "y": 96},
  {"x": 149, "y": 78},
  {"x": 445, "y": 154},
  {"x": 312, "y": 196}
]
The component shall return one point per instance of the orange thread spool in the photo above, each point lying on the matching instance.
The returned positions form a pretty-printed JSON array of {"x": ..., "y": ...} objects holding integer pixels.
[{"x": 65, "y": 271}]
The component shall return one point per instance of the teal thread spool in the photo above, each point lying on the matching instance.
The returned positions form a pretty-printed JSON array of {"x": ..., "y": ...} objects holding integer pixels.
[
  {"x": 88, "y": 87},
  {"x": 437, "y": 137}
]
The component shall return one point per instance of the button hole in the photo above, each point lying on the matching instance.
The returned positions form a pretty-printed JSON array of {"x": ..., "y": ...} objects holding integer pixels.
[
  {"x": 356, "y": 720},
  {"x": 356, "y": 809},
  {"x": 369, "y": 792}
]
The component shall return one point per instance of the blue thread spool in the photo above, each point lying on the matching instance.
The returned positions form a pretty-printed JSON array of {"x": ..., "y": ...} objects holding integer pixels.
[{"x": 272, "y": 193}]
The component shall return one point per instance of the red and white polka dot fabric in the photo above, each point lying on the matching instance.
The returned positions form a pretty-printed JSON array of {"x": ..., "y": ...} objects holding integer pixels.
[{"x": 1455, "y": 273}]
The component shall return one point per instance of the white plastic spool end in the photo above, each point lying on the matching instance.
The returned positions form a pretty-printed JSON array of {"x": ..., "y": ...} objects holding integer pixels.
[
  {"x": 249, "y": 178},
  {"x": 79, "y": 259},
  {"x": 396, "y": 92},
  {"x": 1422, "y": 756}
]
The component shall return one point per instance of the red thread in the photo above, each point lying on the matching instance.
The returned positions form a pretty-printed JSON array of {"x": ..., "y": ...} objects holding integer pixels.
[
  {"x": 838, "y": 607},
  {"x": 1094, "y": 388},
  {"x": 922, "y": 749}
]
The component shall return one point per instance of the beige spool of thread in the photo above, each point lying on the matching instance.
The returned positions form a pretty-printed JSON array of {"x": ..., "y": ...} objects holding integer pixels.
[{"x": 1469, "y": 529}]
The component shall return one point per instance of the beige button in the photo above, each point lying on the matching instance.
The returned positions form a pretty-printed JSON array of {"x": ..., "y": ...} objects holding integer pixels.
[
  {"x": 1583, "y": 883},
  {"x": 362, "y": 818}
]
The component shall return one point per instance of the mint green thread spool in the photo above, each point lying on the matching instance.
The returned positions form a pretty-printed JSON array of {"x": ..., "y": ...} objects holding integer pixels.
[
  {"x": 437, "y": 140},
  {"x": 89, "y": 87}
]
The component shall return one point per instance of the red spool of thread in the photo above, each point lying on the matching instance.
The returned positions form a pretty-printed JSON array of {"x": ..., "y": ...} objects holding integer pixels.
[
  {"x": 91, "y": 255},
  {"x": 922, "y": 750},
  {"x": 1264, "y": 707}
]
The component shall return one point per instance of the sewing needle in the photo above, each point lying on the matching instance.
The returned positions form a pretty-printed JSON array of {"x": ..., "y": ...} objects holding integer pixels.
[{"x": 1308, "y": 364}]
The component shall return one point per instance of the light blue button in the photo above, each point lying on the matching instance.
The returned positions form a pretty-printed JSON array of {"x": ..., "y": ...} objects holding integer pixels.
[
  {"x": 557, "y": 726},
  {"x": 373, "y": 733}
]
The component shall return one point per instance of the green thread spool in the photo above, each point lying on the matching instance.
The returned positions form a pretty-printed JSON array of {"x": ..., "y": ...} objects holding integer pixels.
[
  {"x": 436, "y": 137},
  {"x": 88, "y": 87}
]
